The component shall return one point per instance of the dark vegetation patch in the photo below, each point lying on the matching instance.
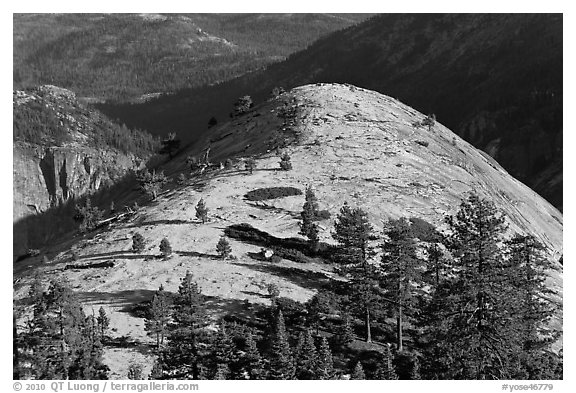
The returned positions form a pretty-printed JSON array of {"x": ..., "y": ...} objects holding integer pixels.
[
  {"x": 422, "y": 143},
  {"x": 262, "y": 194},
  {"x": 294, "y": 249},
  {"x": 90, "y": 265}
]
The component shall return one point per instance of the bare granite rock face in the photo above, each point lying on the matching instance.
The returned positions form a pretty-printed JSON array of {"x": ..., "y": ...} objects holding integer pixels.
[{"x": 46, "y": 177}]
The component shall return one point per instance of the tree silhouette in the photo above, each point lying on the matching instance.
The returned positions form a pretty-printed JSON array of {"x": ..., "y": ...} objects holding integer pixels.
[
  {"x": 358, "y": 372},
  {"x": 170, "y": 145},
  {"x": 138, "y": 243},
  {"x": 223, "y": 248},
  {"x": 202, "y": 211},
  {"x": 151, "y": 183},
  {"x": 281, "y": 361},
  {"x": 158, "y": 316},
  {"x": 285, "y": 163},
  {"x": 250, "y": 164},
  {"x": 87, "y": 215},
  {"x": 165, "y": 248},
  {"x": 401, "y": 271}
]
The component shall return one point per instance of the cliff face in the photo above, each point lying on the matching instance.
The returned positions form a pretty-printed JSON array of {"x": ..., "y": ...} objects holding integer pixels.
[{"x": 48, "y": 177}]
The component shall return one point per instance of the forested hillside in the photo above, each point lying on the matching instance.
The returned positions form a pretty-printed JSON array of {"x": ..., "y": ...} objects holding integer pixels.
[{"x": 126, "y": 56}]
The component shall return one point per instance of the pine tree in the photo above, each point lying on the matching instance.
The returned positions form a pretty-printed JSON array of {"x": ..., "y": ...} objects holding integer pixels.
[
  {"x": 158, "y": 316},
  {"x": 138, "y": 243},
  {"x": 285, "y": 163},
  {"x": 151, "y": 183},
  {"x": 401, "y": 272},
  {"x": 306, "y": 357},
  {"x": 243, "y": 105},
  {"x": 252, "y": 360},
  {"x": 87, "y": 215},
  {"x": 436, "y": 264},
  {"x": 165, "y": 248},
  {"x": 358, "y": 372},
  {"x": 103, "y": 322},
  {"x": 528, "y": 298},
  {"x": 471, "y": 319},
  {"x": 223, "y": 248},
  {"x": 345, "y": 334},
  {"x": 385, "y": 369},
  {"x": 60, "y": 342},
  {"x": 224, "y": 352},
  {"x": 325, "y": 365},
  {"x": 526, "y": 272},
  {"x": 183, "y": 356},
  {"x": 170, "y": 145},
  {"x": 202, "y": 211},
  {"x": 250, "y": 164},
  {"x": 212, "y": 122},
  {"x": 309, "y": 214},
  {"x": 352, "y": 231},
  {"x": 316, "y": 307},
  {"x": 281, "y": 361}
]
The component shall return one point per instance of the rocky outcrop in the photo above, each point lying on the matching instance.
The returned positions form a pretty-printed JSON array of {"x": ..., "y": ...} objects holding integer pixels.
[{"x": 48, "y": 177}]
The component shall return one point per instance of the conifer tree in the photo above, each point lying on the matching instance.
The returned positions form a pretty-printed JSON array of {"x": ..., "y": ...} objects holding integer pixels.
[
  {"x": 60, "y": 342},
  {"x": 471, "y": 319},
  {"x": 315, "y": 307},
  {"x": 87, "y": 215},
  {"x": 103, "y": 322},
  {"x": 223, "y": 248},
  {"x": 165, "y": 248},
  {"x": 358, "y": 372},
  {"x": 309, "y": 214},
  {"x": 285, "y": 163},
  {"x": 325, "y": 366},
  {"x": 170, "y": 145},
  {"x": 183, "y": 357},
  {"x": 224, "y": 352},
  {"x": 386, "y": 369},
  {"x": 151, "y": 183},
  {"x": 273, "y": 291},
  {"x": 526, "y": 272},
  {"x": 138, "y": 243},
  {"x": 352, "y": 231},
  {"x": 252, "y": 360},
  {"x": 250, "y": 164},
  {"x": 243, "y": 105},
  {"x": 202, "y": 211},
  {"x": 158, "y": 316},
  {"x": 401, "y": 271},
  {"x": 306, "y": 357},
  {"x": 345, "y": 334},
  {"x": 281, "y": 364}
]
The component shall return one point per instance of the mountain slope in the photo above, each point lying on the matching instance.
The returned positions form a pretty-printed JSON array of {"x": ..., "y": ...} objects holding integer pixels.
[
  {"x": 350, "y": 144},
  {"x": 496, "y": 80},
  {"x": 134, "y": 56},
  {"x": 63, "y": 150}
]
